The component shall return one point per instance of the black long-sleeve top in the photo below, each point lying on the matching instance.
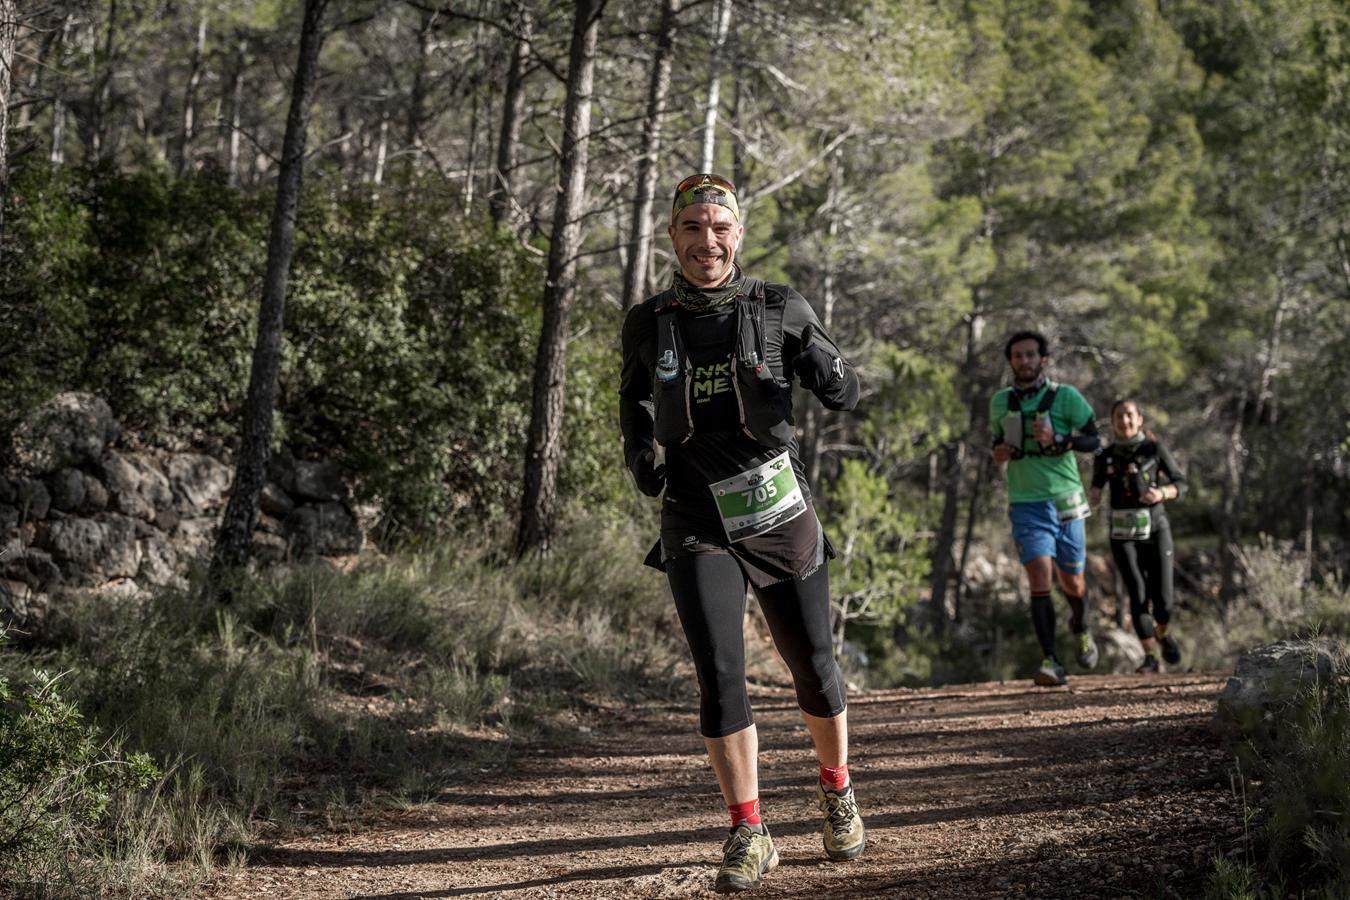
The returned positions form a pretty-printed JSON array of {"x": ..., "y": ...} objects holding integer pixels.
[
  {"x": 1132, "y": 470},
  {"x": 719, "y": 448}
]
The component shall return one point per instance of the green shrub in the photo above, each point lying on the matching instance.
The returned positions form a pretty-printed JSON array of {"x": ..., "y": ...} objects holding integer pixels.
[
  {"x": 1278, "y": 601},
  {"x": 409, "y": 337},
  {"x": 1300, "y": 779},
  {"x": 879, "y": 569},
  {"x": 58, "y": 782}
]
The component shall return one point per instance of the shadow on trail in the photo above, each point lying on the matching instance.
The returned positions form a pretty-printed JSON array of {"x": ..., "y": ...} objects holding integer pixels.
[
  {"x": 264, "y": 855},
  {"x": 1061, "y": 865},
  {"x": 611, "y": 873}
]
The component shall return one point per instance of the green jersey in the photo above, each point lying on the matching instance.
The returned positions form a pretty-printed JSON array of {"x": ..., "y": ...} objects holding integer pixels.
[{"x": 1035, "y": 477}]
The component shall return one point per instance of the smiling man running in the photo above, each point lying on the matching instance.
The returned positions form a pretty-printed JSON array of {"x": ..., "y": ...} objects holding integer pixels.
[{"x": 707, "y": 376}]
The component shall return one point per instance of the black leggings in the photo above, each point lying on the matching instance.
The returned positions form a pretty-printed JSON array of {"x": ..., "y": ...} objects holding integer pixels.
[
  {"x": 709, "y": 591},
  {"x": 1146, "y": 568}
]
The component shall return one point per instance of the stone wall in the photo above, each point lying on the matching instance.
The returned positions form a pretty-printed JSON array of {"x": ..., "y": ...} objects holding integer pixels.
[{"x": 81, "y": 510}]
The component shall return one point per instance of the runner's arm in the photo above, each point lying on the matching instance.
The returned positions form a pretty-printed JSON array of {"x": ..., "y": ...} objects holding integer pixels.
[
  {"x": 1086, "y": 440},
  {"x": 999, "y": 438},
  {"x": 1099, "y": 471},
  {"x": 635, "y": 386},
  {"x": 1174, "y": 474},
  {"x": 840, "y": 389}
]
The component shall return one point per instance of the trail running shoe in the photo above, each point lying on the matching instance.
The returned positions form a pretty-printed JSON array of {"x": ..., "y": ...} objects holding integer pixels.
[
  {"x": 1149, "y": 666},
  {"x": 746, "y": 856},
  {"x": 1087, "y": 651},
  {"x": 843, "y": 832},
  {"x": 1171, "y": 650},
  {"x": 1050, "y": 674}
]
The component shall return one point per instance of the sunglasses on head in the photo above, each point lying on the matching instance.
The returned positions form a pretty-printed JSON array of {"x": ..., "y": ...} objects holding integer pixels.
[{"x": 694, "y": 181}]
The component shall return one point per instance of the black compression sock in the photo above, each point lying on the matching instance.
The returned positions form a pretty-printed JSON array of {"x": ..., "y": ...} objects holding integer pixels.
[
  {"x": 1078, "y": 610},
  {"x": 1043, "y": 620}
]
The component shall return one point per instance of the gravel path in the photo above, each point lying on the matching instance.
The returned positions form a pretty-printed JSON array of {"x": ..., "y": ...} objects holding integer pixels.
[{"x": 1112, "y": 787}]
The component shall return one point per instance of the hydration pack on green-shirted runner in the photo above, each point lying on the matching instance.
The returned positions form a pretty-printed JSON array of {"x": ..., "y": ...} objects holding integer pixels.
[{"x": 1015, "y": 415}]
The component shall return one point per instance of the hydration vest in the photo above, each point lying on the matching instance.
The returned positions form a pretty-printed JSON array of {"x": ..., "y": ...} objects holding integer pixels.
[
  {"x": 763, "y": 401},
  {"x": 1135, "y": 470},
  {"x": 1042, "y": 408}
]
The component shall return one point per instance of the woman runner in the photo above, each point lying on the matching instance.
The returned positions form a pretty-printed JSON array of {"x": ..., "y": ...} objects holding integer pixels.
[{"x": 1143, "y": 477}]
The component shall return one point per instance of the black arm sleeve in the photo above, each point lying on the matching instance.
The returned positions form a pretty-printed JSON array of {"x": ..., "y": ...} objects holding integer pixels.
[
  {"x": 1099, "y": 470},
  {"x": 635, "y": 382},
  {"x": 1169, "y": 466},
  {"x": 840, "y": 393},
  {"x": 1087, "y": 440}
]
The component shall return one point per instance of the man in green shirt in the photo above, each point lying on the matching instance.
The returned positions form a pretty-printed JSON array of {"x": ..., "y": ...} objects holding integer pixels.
[{"x": 1034, "y": 423}]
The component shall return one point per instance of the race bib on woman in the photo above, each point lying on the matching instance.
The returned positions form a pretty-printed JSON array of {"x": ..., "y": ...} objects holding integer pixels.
[{"x": 1131, "y": 524}]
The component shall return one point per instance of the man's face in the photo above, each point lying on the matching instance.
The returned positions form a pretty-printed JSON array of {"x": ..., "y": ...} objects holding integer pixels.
[
  {"x": 1026, "y": 361},
  {"x": 705, "y": 237}
]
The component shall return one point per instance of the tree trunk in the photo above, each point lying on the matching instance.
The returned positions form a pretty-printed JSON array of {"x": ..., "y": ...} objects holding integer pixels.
[
  {"x": 57, "y": 156},
  {"x": 382, "y": 144},
  {"x": 417, "y": 96},
  {"x": 715, "y": 83},
  {"x": 102, "y": 93},
  {"x": 1237, "y": 458},
  {"x": 981, "y": 472},
  {"x": 1230, "y": 502},
  {"x": 235, "y": 541},
  {"x": 183, "y": 150},
  {"x": 35, "y": 71},
  {"x": 955, "y": 459},
  {"x": 544, "y": 448},
  {"x": 642, "y": 229},
  {"x": 471, "y": 166},
  {"x": 815, "y": 414},
  {"x": 236, "y": 111},
  {"x": 56, "y": 153},
  {"x": 9, "y": 25},
  {"x": 1309, "y": 536},
  {"x": 513, "y": 112},
  {"x": 740, "y": 173}
]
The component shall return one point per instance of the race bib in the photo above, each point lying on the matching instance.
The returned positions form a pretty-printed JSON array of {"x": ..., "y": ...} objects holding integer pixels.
[
  {"x": 759, "y": 499},
  {"x": 1072, "y": 507},
  {"x": 1131, "y": 524}
]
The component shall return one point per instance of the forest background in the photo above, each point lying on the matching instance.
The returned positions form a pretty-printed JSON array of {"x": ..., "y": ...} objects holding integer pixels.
[{"x": 1159, "y": 186}]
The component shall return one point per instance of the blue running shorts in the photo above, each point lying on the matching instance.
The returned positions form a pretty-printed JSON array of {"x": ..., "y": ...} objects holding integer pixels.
[{"x": 1038, "y": 532}]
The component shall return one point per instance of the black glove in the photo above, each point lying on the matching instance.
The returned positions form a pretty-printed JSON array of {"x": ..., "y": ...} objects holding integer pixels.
[
  {"x": 814, "y": 364},
  {"x": 649, "y": 476}
]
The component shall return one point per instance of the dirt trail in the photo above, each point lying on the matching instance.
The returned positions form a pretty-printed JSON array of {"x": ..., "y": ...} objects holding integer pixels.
[{"x": 1113, "y": 787}]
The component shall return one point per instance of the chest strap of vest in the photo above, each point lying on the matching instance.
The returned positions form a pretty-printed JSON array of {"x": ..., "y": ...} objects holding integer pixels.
[{"x": 1042, "y": 408}]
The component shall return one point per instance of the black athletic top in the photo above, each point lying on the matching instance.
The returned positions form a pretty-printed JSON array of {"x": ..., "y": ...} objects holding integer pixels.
[
  {"x": 1131, "y": 469},
  {"x": 719, "y": 446}
]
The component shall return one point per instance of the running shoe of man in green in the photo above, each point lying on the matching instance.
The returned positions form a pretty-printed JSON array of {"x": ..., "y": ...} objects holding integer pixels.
[
  {"x": 1149, "y": 666},
  {"x": 1087, "y": 651},
  {"x": 843, "y": 832},
  {"x": 1171, "y": 650},
  {"x": 1050, "y": 674},
  {"x": 746, "y": 856}
]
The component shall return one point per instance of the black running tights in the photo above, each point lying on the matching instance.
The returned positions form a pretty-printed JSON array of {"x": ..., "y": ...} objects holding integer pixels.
[
  {"x": 709, "y": 591},
  {"x": 1146, "y": 569}
]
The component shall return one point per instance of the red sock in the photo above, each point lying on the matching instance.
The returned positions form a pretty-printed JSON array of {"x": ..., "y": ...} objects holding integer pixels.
[
  {"x": 744, "y": 813},
  {"x": 834, "y": 777}
]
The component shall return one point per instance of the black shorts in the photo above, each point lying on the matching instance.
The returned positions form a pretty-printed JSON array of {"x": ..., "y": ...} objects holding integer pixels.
[{"x": 794, "y": 549}]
